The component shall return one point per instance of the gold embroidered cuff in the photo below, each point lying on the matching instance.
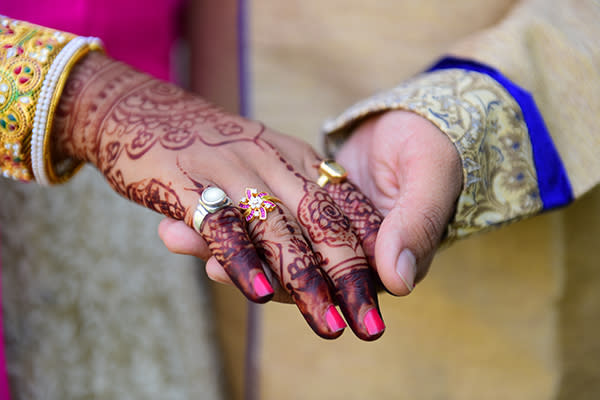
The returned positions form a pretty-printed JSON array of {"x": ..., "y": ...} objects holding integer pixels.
[
  {"x": 34, "y": 65},
  {"x": 485, "y": 124}
]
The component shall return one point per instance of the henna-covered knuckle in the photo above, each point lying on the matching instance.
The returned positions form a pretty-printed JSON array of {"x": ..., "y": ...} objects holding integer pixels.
[
  {"x": 281, "y": 228},
  {"x": 323, "y": 220},
  {"x": 363, "y": 214}
]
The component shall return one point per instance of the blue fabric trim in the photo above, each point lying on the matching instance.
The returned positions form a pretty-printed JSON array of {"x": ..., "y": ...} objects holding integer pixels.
[{"x": 553, "y": 181}]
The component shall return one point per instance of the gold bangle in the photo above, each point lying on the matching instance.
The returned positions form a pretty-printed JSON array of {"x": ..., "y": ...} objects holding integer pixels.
[
  {"x": 34, "y": 65},
  {"x": 60, "y": 173}
]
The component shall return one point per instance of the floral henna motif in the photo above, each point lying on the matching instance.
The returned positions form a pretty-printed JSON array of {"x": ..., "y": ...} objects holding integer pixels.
[
  {"x": 157, "y": 112},
  {"x": 363, "y": 214},
  {"x": 324, "y": 222}
]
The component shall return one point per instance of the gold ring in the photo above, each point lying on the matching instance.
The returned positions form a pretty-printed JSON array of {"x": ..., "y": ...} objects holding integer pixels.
[
  {"x": 331, "y": 172},
  {"x": 257, "y": 205}
]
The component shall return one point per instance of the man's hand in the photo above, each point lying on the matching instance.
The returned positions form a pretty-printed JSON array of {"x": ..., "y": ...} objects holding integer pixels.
[{"x": 412, "y": 173}]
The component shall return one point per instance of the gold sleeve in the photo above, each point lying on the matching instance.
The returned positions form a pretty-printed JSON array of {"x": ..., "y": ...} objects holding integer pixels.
[
  {"x": 549, "y": 49},
  {"x": 34, "y": 65},
  {"x": 487, "y": 128}
]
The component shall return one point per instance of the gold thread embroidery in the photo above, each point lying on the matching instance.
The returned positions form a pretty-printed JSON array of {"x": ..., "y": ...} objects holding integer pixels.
[
  {"x": 485, "y": 124},
  {"x": 27, "y": 53}
]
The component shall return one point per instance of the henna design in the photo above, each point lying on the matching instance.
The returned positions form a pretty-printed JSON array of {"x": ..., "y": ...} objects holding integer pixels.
[
  {"x": 156, "y": 196},
  {"x": 117, "y": 182},
  {"x": 297, "y": 268},
  {"x": 120, "y": 115},
  {"x": 229, "y": 128},
  {"x": 230, "y": 245},
  {"x": 346, "y": 266},
  {"x": 157, "y": 112},
  {"x": 198, "y": 187},
  {"x": 324, "y": 221},
  {"x": 113, "y": 150},
  {"x": 363, "y": 214}
]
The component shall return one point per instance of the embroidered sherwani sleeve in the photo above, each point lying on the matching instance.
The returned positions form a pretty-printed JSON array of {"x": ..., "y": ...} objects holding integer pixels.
[{"x": 519, "y": 101}]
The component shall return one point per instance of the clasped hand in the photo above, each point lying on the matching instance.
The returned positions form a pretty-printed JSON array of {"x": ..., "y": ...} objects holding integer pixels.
[
  {"x": 162, "y": 147},
  {"x": 412, "y": 173}
]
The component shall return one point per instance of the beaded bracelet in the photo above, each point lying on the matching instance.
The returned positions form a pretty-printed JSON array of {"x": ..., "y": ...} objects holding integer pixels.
[
  {"x": 35, "y": 63},
  {"x": 44, "y": 170}
]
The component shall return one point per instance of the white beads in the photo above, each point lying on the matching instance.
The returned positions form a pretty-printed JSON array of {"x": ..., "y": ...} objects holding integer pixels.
[{"x": 40, "y": 120}]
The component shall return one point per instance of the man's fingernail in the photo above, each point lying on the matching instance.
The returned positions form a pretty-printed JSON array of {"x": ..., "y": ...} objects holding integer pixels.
[
  {"x": 334, "y": 319},
  {"x": 406, "y": 268},
  {"x": 261, "y": 285},
  {"x": 373, "y": 322}
]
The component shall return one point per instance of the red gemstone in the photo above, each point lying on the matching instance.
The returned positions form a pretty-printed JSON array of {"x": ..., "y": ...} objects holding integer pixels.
[
  {"x": 17, "y": 70},
  {"x": 23, "y": 80}
]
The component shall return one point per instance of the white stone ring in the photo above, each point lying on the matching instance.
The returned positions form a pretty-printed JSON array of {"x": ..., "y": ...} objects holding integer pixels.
[{"x": 212, "y": 200}]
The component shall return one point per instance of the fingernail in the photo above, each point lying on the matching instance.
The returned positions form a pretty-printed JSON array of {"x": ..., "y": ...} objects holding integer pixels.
[
  {"x": 334, "y": 319},
  {"x": 261, "y": 285},
  {"x": 373, "y": 322},
  {"x": 406, "y": 268}
]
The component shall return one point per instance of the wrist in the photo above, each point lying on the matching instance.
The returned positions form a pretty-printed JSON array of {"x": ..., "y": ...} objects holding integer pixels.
[{"x": 94, "y": 85}]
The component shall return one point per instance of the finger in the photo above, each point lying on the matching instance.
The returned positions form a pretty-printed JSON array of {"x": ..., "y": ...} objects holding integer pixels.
[
  {"x": 364, "y": 216},
  {"x": 343, "y": 260},
  {"x": 331, "y": 237},
  {"x": 430, "y": 171},
  {"x": 181, "y": 239},
  {"x": 227, "y": 239},
  {"x": 292, "y": 261},
  {"x": 216, "y": 272}
]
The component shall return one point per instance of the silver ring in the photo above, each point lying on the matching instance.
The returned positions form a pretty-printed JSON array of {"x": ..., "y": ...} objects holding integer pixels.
[{"x": 212, "y": 200}]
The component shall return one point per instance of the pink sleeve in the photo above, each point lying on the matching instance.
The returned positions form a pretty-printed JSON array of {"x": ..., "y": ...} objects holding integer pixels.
[{"x": 132, "y": 31}]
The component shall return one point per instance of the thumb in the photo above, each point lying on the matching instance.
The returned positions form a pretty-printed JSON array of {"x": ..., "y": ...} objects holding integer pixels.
[{"x": 430, "y": 179}]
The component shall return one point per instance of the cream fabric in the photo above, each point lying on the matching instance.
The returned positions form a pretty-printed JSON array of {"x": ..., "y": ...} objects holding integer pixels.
[
  {"x": 94, "y": 305},
  {"x": 510, "y": 314}
]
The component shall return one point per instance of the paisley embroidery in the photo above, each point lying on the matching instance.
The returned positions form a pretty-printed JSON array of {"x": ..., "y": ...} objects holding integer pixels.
[{"x": 485, "y": 124}]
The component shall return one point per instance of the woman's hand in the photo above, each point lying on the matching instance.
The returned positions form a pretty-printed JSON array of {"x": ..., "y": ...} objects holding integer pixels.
[
  {"x": 162, "y": 147},
  {"x": 412, "y": 173}
]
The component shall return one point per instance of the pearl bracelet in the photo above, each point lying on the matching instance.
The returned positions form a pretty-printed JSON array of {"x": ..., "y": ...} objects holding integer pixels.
[{"x": 44, "y": 171}]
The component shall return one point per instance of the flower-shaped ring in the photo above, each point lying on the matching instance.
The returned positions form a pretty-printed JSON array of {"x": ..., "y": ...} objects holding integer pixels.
[{"x": 257, "y": 205}]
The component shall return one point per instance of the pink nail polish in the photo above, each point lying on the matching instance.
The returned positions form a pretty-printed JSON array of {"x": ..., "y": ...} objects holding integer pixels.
[
  {"x": 373, "y": 322},
  {"x": 334, "y": 319},
  {"x": 261, "y": 285}
]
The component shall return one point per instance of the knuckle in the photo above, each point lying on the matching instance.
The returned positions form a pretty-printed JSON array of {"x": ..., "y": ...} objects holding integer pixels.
[
  {"x": 433, "y": 222},
  {"x": 280, "y": 227}
]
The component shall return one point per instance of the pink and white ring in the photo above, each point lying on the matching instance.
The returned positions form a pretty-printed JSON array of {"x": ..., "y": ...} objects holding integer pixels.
[{"x": 257, "y": 205}]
